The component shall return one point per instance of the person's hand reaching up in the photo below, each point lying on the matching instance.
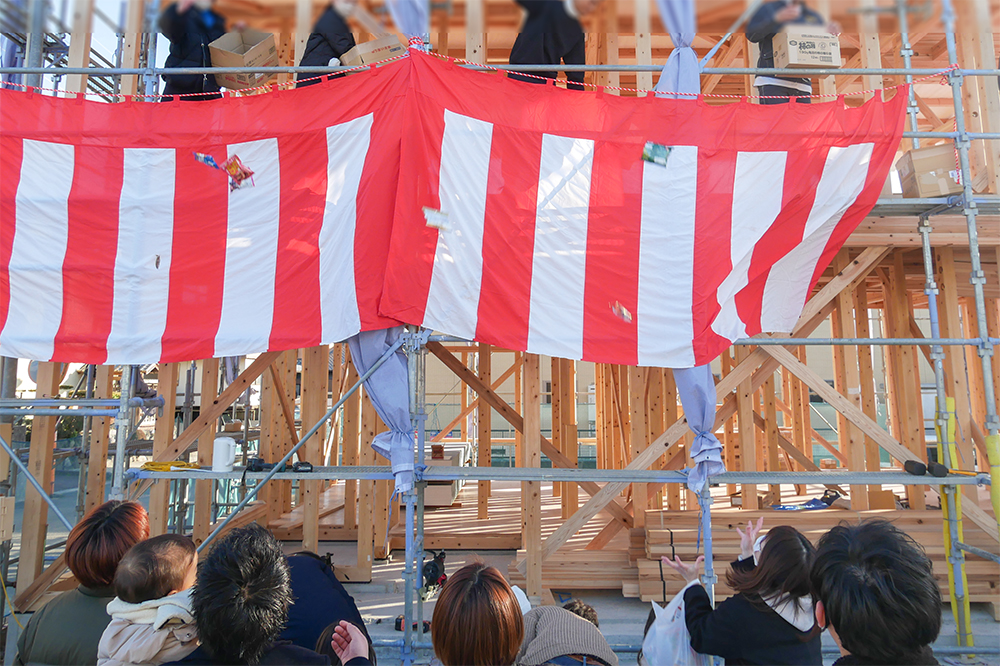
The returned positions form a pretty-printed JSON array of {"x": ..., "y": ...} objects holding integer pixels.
[
  {"x": 689, "y": 572},
  {"x": 348, "y": 642},
  {"x": 749, "y": 538}
]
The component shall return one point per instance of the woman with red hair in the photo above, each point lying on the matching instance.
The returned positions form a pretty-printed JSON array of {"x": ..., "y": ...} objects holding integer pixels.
[{"x": 68, "y": 629}]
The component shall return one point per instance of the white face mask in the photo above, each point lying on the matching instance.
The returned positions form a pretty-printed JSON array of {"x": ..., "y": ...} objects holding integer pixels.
[
  {"x": 344, "y": 7},
  {"x": 203, "y": 4}
]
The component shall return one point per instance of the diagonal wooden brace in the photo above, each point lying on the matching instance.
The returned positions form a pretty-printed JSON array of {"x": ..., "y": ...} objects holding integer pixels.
[{"x": 517, "y": 421}]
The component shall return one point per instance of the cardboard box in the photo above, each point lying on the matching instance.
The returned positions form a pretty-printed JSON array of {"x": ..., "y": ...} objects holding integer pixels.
[
  {"x": 249, "y": 48},
  {"x": 370, "y": 52},
  {"x": 929, "y": 172},
  {"x": 805, "y": 47}
]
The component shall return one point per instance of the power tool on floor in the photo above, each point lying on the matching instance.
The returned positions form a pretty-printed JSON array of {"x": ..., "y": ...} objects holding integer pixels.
[{"x": 434, "y": 575}]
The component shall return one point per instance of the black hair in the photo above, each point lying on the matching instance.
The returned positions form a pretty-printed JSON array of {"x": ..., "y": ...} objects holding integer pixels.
[
  {"x": 154, "y": 568},
  {"x": 241, "y": 598},
  {"x": 583, "y": 609},
  {"x": 783, "y": 569},
  {"x": 878, "y": 590}
]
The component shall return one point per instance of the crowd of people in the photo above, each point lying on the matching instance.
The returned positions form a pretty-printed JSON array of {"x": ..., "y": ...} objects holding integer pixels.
[
  {"x": 552, "y": 34},
  {"x": 150, "y": 601}
]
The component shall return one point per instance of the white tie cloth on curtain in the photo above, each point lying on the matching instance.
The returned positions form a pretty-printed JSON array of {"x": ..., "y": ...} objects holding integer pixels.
[
  {"x": 389, "y": 390},
  {"x": 696, "y": 388},
  {"x": 681, "y": 73},
  {"x": 412, "y": 17}
]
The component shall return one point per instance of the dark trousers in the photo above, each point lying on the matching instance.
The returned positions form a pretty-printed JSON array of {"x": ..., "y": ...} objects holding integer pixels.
[{"x": 785, "y": 95}]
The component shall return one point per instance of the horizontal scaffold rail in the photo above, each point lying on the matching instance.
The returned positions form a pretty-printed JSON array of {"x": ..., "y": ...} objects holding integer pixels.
[{"x": 443, "y": 473}]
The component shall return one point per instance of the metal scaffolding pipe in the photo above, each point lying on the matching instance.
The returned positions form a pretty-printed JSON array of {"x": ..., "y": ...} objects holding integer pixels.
[
  {"x": 875, "y": 342},
  {"x": 16, "y": 459}
]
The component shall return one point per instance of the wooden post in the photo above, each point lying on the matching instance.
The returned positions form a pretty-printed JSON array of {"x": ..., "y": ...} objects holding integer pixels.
[
  {"x": 871, "y": 56},
  {"x": 159, "y": 494},
  {"x": 43, "y": 438},
  {"x": 748, "y": 445},
  {"x": 290, "y": 369},
  {"x": 315, "y": 382},
  {"x": 475, "y": 31},
  {"x": 485, "y": 419},
  {"x": 873, "y": 461},
  {"x": 383, "y": 498},
  {"x": 847, "y": 380},
  {"x": 463, "y": 428},
  {"x": 556, "y": 414},
  {"x": 671, "y": 416},
  {"x": 600, "y": 428},
  {"x": 954, "y": 358},
  {"x": 100, "y": 431},
  {"x": 79, "y": 44},
  {"x": 643, "y": 45},
  {"x": 654, "y": 419},
  {"x": 981, "y": 99},
  {"x": 366, "y": 491},
  {"x": 205, "y": 490},
  {"x": 607, "y": 42},
  {"x": 569, "y": 434},
  {"x": 303, "y": 28},
  {"x": 531, "y": 490},
  {"x": 518, "y": 404},
  {"x": 730, "y": 443},
  {"x": 135, "y": 15},
  {"x": 911, "y": 430},
  {"x": 352, "y": 432},
  {"x": 637, "y": 436},
  {"x": 771, "y": 420}
]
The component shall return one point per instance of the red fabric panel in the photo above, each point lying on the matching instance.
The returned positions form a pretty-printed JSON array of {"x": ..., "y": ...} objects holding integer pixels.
[
  {"x": 509, "y": 238},
  {"x": 613, "y": 254},
  {"x": 10, "y": 167},
  {"x": 297, "y": 322},
  {"x": 91, "y": 248},
  {"x": 198, "y": 259}
]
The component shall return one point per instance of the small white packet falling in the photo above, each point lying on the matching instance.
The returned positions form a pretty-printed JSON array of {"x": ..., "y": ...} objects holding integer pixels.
[
  {"x": 436, "y": 218},
  {"x": 621, "y": 312}
]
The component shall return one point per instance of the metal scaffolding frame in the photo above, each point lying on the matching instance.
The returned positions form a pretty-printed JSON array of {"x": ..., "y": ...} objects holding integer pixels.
[{"x": 414, "y": 340}]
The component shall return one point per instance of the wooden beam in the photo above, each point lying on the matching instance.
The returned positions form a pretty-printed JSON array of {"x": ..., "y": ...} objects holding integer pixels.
[
  {"x": 34, "y": 523},
  {"x": 79, "y": 44},
  {"x": 643, "y": 45},
  {"x": 100, "y": 433},
  {"x": 814, "y": 312},
  {"x": 637, "y": 436},
  {"x": 204, "y": 491},
  {"x": 871, "y": 56},
  {"x": 517, "y": 421},
  {"x": 531, "y": 491},
  {"x": 792, "y": 450},
  {"x": 210, "y": 414},
  {"x": 315, "y": 396},
  {"x": 443, "y": 433},
  {"x": 475, "y": 31},
  {"x": 352, "y": 434},
  {"x": 303, "y": 27},
  {"x": 135, "y": 16},
  {"x": 748, "y": 447},
  {"x": 485, "y": 422},
  {"x": 870, "y": 427},
  {"x": 159, "y": 495}
]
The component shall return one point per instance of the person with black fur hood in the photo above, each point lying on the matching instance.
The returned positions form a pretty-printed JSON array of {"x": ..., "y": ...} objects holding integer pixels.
[
  {"x": 191, "y": 25},
  {"x": 552, "y": 35},
  {"x": 331, "y": 38}
]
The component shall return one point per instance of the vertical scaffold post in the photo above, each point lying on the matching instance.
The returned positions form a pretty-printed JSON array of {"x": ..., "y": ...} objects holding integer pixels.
[
  {"x": 705, "y": 502},
  {"x": 122, "y": 428}
]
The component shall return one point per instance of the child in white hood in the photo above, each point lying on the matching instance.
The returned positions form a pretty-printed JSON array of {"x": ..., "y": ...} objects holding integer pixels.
[{"x": 151, "y": 620}]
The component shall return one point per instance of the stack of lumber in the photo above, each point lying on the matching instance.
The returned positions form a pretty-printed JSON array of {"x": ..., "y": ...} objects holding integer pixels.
[
  {"x": 924, "y": 526},
  {"x": 608, "y": 569}
]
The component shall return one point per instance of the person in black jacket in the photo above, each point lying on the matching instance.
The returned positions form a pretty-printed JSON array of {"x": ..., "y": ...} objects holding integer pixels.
[
  {"x": 770, "y": 619},
  {"x": 552, "y": 35},
  {"x": 319, "y": 600},
  {"x": 875, "y": 591},
  {"x": 191, "y": 25},
  {"x": 768, "y": 21},
  {"x": 331, "y": 38},
  {"x": 240, "y": 603}
]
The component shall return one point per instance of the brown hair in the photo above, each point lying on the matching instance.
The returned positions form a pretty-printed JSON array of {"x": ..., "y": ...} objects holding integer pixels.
[
  {"x": 583, "y": 609},
  {"x": 154, "y": 568},
  {"x": 477, "y": 620},
  {"x": 783, "y": 568},
  {"x": 98, "y": 542}
]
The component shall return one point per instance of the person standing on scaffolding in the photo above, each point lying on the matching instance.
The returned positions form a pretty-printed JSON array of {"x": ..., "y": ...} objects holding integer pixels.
[
  {"x": 768, "y": 21},
  {"x": 191, "y": 25},
  {"x": 552, "y": 35},
  {"x": 331, "y": 38}
]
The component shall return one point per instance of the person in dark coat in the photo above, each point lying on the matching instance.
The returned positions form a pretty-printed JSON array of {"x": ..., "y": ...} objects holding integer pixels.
[
  {"x": 876, "y": 593},
  {"x": 240, "y": 603},
  {"x": 191, "y": 25},
  {"x": 770, "y": 618},
  {"x": 552, "y": 35},
  {"x": 318, "y": 601},
  {"x": 331, "y": 38},
  {"x": 768, "y": 21}
]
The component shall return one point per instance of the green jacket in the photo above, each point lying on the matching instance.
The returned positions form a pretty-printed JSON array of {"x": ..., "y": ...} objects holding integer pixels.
[{"x": 66, "y": 630}]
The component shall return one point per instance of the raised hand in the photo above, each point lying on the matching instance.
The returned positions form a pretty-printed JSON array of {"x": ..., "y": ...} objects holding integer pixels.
[
  {"x": 348, "y": 642},
  {"x": 748, "y": 538},
  {"x": 688, "y": 572}
]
